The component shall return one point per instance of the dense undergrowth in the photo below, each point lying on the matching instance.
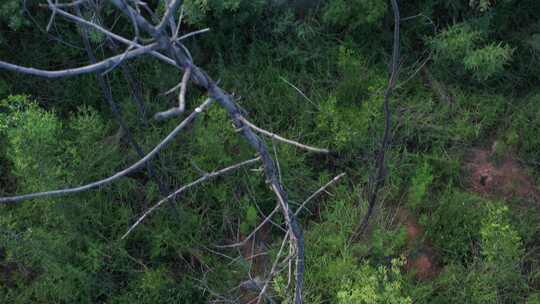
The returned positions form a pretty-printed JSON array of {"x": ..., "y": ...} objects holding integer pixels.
[{"x": 468, "y": 78}]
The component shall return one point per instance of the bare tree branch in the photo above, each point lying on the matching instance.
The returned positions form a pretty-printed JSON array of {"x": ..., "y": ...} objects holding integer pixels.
[
  {"x": 183, "y": 90},
  {"x": 93, "y": 68},
  {"x": 276, "y": 209},
  {"x": 107, "y": 95},
  {"x": 194, "y": 33},
  {"x": 249, "y": 236},
  {"x": 297, "y": 241},
  {"x": 117, "y": 175},
  {"x": 51, "y": 19},
  {"x": 171, "y": 8},
  {"x": 282, "y": 139},
  {"x": 333, "y": 181},
  {"x": 186, "y": 187},
  {"x": 380, "y": 165},
  {"x": 70, "y": 4},
  {"x": 202, "y": 79},
  {"x": 180, "y": 57},
  {"x": 176, "y": 111},
  {"x": 112, "y": 35},
  {"x": 273, "y": 270},
  {"x": 299, "y": 92}
]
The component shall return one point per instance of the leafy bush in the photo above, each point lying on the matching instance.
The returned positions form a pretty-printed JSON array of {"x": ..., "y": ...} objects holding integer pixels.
[
  {"x": 354, "y": 15},
  {"x": 462, "y": 50},
  {"x": 488, "y": 61},
  {"x": 501, "y": 246},
  {"x": 454, "y": 225},
  {"x": 62, "y": 247},
  {"x": 33, "y": 144},
  {"x": 11, "y": 14},
  {"x": 375, "y": 285},
  {"x": 348, "y": 118},
  {"x": 525, "y": 127},
  {"x": 494, "y": 275},
  {"x": 420, "y": 184},
  {"x": 158, "y": 286},
  {"x": 200, "y": 12}
]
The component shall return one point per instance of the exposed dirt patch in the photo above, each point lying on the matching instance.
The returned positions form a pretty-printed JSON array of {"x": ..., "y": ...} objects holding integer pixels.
[
  {"x": 421, "y": 258},
  {"x": 505, "y": 178},
  {"x": 415, "y": 232}
]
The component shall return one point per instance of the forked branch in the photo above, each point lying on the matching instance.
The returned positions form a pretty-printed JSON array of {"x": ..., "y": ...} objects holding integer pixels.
[{"x": 179, "y": 57}]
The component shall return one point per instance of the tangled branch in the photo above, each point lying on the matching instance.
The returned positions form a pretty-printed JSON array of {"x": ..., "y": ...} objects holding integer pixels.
[{"x": 178, "y": 56}]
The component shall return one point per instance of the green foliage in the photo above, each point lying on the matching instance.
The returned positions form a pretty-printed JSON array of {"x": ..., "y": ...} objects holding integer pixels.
[
  {"x": 420, "y": 184},
  {"x": 375, "y": 285},
  {"x": 501, "y": 245},
  {"x": 488, "y": 61},
  {"x": 62, "y": 246},
  {"x": 33, "y": 135},
  {"x": 493, "y": 276},
  {"x": 349, "y": 117},
  {"x": 462, "y": 50},
  {"x": 332, "y": 272},
  {"x": 67, "y": 250},
  {"x": 455, "y": 42},
  {"x": 354, "y": 15},
  {"x": 525, "y": 128},
  {"x": 358, "y": 81},
  {"x": 202, "y": 12},
  {"x": 386, "y": 242},
  {"x": 11, "y": 14},
  {"x": 459, "y": 284},
  {"x": 533, "y": 299},
  {"x": 158, "y": 286},
  {"x": 346, "y": 127},
  {"x": 250, "y": 220},
  {"x": 454, "y": 225},
  {"x": 330, "y": 259},
  {"x": 484, "y": 111}
]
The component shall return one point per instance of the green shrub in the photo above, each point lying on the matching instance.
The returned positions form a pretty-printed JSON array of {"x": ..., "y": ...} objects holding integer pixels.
[
  {"x": 354, "y": 15},
  {"x": 372, "y": 285},
  {"x": 329, "y": 258},
  {"x": 525, "y": 127},
  {"x": 386, "y": 242},
  {"x": 33, "y": 144},
  {"x": 488, "y": 61},
  {"x": 454, "y": 225},
  {"x": 201, "y": 11},
  {"x": 349, "y": 119},
  {"x": 420, "y": 184},
  {"x": 11, "y": 14},
  {"x": 158, "y": 286},
  {"x": 463, "y": 51},
  {"x": 493, "y": 276},
  {"x": 501, "y": 246}
]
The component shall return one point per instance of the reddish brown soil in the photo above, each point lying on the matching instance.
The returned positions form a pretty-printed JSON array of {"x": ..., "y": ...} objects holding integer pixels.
[
  {"x": 423, "y": 266},
  {"x": 421, "y": 258},
  {"x": 505, "y": 179}
]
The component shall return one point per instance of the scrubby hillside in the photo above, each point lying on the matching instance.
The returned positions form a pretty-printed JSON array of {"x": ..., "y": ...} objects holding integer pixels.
[{"x": 455, "y": 221}]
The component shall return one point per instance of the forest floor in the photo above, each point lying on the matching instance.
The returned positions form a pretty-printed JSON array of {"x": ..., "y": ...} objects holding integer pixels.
[
  {"x": 486, "y": 175},
  {"x": 501, "y": 178}
]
